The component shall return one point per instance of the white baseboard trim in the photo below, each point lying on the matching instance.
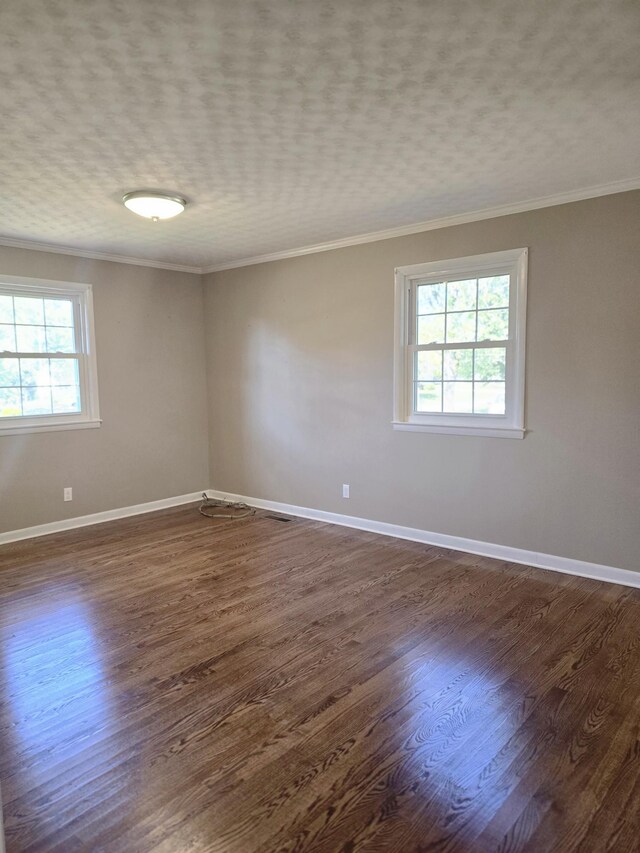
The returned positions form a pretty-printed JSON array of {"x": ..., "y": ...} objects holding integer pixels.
[
  {"x": 609, "y": 574},
  {"x": 97, "y": 518}
]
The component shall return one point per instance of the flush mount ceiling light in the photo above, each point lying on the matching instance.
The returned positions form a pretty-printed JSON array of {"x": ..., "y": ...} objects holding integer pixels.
[{"x": 154, "y": 206}]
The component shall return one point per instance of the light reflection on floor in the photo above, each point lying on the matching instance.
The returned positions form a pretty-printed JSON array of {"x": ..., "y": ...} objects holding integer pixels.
[
  {"x": 54, "y": 694},
  {"x": 442, "y": 690},
  {"x": 56, "y": 702}
]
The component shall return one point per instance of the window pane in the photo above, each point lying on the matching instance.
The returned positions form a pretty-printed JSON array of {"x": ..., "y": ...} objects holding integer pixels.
[
  {"x": 461, "y": 295},
  {"x": 489, "y": 398},
  {"x": 458, "y": 397},
  {"x": 64, "y": 371},
  {"x": 66, "y": 398},
  {"x": 458, "y": 364},
  {"x": 42, "y": 340},
  {"x": 431, "y": 298},
  {"x": 429, "y": 365},
  {"x": 36, "y": 401},
  {"x": 60, "y": 340},
  {"x": 431, "y": 329},
  {"x": 31, "y": 339},
  {"x": 29, "y": 310},
  {"x": 493, "y": 325},
  {"x": 428, "y": 396},
  {"x": 58, "y": 312},
  {"x": 493, "y": 292},
  {"x": 7, "y": 338},
  {"x": 461, "y": 327},
  {"x": 6, "y": 308},
  {"x": 35, "y": 371},
  {"x": 9, "y": 372},
  {"x": 10, "y": 405},
  {"x": 490, "y": 364}
]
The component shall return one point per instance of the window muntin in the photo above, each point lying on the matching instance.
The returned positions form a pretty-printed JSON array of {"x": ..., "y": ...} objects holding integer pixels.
[
  {"x": 48, "y": 373},
  {"x": 453, "y": 379},
  {"x": 460, "y": 344}
]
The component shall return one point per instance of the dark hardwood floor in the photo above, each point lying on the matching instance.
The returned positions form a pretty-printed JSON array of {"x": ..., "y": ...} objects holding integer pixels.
[{"x": 172, "y": 683}]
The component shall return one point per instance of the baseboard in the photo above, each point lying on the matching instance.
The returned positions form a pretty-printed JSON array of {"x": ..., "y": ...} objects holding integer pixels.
[
  {"x": 96, "y": 518},
  {"x": 609, "y": 574}
]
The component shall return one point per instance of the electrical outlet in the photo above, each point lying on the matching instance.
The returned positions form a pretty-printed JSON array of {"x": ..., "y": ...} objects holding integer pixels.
[
  {"x": 345, "y": 490},
  {"x": 68, "y": 493}
]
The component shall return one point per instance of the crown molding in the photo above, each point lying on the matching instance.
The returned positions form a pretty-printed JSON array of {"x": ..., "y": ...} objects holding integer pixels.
[
  {"x": 12, "y": 243},
  {"x": 344, "y": 242},
  {"x": 433, "y": 224}
]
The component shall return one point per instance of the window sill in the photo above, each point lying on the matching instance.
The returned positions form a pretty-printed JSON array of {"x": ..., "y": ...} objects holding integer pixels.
[
  {"x": 488, "y": 432},
  {"x": 14, "y": 429}
]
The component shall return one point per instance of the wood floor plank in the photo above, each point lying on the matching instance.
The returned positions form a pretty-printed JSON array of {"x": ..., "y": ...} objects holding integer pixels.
[{"x": 172, "y": 683}]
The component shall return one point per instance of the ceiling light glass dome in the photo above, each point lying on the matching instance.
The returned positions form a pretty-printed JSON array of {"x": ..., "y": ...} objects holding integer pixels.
[{"x": 154, "y": 206}]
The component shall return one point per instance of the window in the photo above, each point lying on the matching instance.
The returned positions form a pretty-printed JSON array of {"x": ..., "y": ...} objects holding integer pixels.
[
  {"x": 48, "y": 377},
  {"x": 459, "y": 345}
]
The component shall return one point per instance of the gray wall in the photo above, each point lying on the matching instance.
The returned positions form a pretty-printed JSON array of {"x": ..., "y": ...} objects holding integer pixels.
[
  {"x": 299, "y": 356},
  {"x": 151, "y": 374}
]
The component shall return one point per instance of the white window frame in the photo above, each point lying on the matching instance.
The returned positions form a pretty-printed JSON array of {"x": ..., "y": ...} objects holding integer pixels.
[
  {"x": 82, "y": 297},
  {"x": 509, "y": 425}
]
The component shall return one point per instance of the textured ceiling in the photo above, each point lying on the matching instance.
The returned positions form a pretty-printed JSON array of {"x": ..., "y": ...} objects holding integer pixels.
[{"x": 293, "y": 122}]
